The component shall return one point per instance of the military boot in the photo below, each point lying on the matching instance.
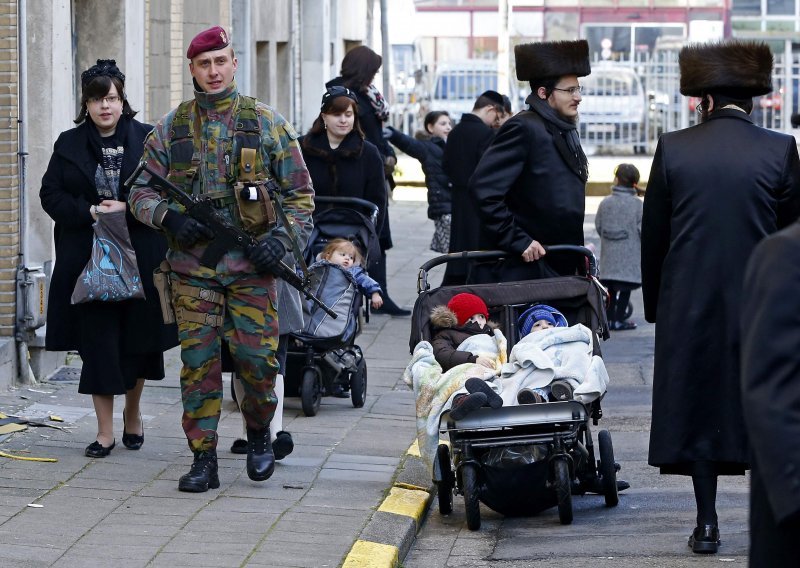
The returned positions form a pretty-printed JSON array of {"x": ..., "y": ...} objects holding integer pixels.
[
  {"x": 202, "y": 475},
  {"x": 260, "y": 459}
]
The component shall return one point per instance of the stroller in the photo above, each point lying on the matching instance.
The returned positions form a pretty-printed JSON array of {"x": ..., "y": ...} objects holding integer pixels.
[
  {"x": 521, "y": 460},
  {"x": 324, "y": 352}
]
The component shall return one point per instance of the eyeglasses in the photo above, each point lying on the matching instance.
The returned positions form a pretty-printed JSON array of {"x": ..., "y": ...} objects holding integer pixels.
[
  {"x": 110, "y": 99},
  {"x": 572, "y": 90}
]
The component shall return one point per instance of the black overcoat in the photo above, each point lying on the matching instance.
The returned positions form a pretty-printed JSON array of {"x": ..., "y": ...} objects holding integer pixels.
[
  {"x": 770, "y": 325},
  {"x": 715, "y": 190},
  {"x": 526, "y": 190},
  {"x": 353, "y": 169},
  {"x": 429, "y": 150},
  {"x": 68, "y": 190}
]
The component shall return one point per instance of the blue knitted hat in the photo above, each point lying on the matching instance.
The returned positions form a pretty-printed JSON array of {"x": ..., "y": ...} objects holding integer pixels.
[{"x": 539, "y": 312}]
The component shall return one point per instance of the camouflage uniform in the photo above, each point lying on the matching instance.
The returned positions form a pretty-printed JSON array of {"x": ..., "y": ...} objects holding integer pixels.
[{"x": 249, "y": 319}]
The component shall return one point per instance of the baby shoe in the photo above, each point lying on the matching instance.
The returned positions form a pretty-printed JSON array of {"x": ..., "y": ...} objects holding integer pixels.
[
  {"x": 561, "y": 390},
  {"x": 476, "y": 384},
  {"x": 529, "y": 396},
  {"x": 464, "y": 404}
]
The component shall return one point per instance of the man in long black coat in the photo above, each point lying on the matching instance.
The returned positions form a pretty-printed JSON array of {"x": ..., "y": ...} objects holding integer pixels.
[
  {"x": 465, "y": 145},
  {"x": 770, "y": 324},
  {"x": 530, "y": 184},
  {"x": 715, "y": 190}
]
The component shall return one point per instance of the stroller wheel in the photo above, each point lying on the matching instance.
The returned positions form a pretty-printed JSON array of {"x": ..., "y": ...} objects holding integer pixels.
[
  {"x": 446, "y": 482},
  {"x": 358, "y": 385},
  {"x": 310, "y": 391},
  {"x": 469, "y": 475},
  {"x": 563, "y": 487},
  {"x": 608, "y": 469}
]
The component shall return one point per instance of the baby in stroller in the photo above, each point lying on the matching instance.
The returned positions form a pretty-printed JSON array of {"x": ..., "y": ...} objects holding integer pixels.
[{"x": 344, "y": 253}]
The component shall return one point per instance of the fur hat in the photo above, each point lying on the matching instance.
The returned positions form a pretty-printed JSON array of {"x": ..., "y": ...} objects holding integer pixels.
[
  {"x": 463, "y": 306},
  {"x": 539, "y": 312},
  {"x": 547, "y": 59},
  {"x": 735, "y": 68}
]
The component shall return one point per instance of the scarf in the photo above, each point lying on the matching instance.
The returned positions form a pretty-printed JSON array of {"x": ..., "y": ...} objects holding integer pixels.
[
  {"x": 563, "y": 131},
  {"x": 109, "y": 158},
  {"x": 318, "y": 146},
  {"x": 379, "y": 106}
]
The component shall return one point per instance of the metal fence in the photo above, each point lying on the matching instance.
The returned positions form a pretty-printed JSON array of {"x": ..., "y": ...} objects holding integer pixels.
[{"x": 626, "y": 106}]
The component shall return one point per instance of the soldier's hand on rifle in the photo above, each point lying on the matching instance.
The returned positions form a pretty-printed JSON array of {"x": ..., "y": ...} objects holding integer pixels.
[
  {"x": 186, "y": 230},
  {"x": 266, "y": 254}
]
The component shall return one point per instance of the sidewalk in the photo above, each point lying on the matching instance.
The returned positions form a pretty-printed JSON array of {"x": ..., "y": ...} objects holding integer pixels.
[{"x": 125, "y": 510}]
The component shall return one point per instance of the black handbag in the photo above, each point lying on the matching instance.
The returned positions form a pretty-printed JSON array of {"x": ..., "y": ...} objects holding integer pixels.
[{"x": 111, "y": 275}]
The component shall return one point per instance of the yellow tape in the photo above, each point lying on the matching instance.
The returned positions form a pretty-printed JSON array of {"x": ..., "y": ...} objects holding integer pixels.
[
  {"x": 13, "y": 457},
  {"x": 365, "y": 554}
]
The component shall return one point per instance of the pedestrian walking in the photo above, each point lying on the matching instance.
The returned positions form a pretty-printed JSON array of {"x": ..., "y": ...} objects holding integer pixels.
[
  {"x": 204, "y": 146},
  {"x": 467, "y": 142},
  {"x": 428, "y": 147},
  {"x": 357, "y": 73},
  {"x": 770, "y": 326},
  {"x": 619, "y": 223},
  {"x": 530, "y": 184},
  {"x": 121, "y": 344},
  {"x": 714, "y": 191}
]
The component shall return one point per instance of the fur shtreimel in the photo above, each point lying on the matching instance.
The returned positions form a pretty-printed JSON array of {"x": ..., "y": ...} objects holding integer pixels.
[
  {"x": 735, "y": 68},
  {"x": 548, "y": 59}
]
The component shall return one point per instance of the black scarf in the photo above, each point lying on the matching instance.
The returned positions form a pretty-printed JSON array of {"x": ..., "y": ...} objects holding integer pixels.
[
  {"x": 106, "y": 189},
  {"x": 349, "y": 149},
  {"x": 565, "y": 135}
]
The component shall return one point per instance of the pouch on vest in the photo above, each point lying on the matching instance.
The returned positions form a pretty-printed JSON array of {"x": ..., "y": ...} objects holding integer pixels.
[
  {"x": 252, "y": 197},
  {"x": 162, "y": 285}
]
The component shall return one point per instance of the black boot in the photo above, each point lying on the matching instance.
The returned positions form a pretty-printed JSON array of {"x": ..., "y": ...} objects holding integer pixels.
[
  {"x": 260, "y": 459},
  {"x": 203, "y": 474}
]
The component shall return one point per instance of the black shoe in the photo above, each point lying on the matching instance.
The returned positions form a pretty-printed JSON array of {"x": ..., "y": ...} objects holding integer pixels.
[
  {"x": 203, "y": 475},
  {"x": 561, "y": 389},
  {"x": 97, "y": 450},
  {"x": 132, "y": 441},
  {"x": 476, "y": 384},
  {"x": 529, "y": 396},
  {"x": 621, "y": 325},
  {"x": 260, "y": 459},
  {"x": 705, "y": 539},
  {"x": 391, "y": 309},
  {"x": 283, "y": 445},
  {"x": 239, "y": 446},
  {"x": 467, "y": 403},
  {"x": 339, "y": 391}
]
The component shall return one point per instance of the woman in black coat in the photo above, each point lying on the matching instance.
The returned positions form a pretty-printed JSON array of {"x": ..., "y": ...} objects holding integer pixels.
[
  {"x": 428, "y": 148},
  {"x": 715, "y": 190},
  {"x": 359, "y": 67},
  {"x": 120, "y": 343},
  {"x": 341, "y": 163}
]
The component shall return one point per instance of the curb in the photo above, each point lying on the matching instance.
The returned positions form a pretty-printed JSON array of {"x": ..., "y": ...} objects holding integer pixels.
[{"x": 389, "y": 533}]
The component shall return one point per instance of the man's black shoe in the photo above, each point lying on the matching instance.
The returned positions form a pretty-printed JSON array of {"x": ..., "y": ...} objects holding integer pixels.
[
  {"x": 202, "y": 475},
  {"x": 283, "y": 445},
  {"x": 260, "y": 459},
  {"x": 389, "y": 308},
  {"x": 705, "y": 539}
]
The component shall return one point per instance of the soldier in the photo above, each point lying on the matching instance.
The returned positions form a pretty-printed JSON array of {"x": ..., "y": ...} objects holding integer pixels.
[{"x": 199, "y": 146}]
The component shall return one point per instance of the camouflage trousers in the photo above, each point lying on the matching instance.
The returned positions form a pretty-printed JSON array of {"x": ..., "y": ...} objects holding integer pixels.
[{"x": 250, "y": 327}]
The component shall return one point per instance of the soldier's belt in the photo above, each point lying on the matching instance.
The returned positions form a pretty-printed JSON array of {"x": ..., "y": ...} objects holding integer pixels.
[
  {"x": 199, "y": 293},
  {"x": 182, "y": 314}
]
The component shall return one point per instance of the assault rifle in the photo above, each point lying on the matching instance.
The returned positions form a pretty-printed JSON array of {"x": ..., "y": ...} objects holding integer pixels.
[{"x": 226, "y": 236}]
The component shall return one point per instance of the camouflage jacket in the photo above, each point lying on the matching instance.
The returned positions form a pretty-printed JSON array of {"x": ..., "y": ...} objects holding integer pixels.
[{"x": 279, "y": 151}]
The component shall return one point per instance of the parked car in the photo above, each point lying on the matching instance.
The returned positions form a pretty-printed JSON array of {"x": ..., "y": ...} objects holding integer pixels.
[
  {"x": 614, "y": 108},
  {"x": 457, "y": 84}
]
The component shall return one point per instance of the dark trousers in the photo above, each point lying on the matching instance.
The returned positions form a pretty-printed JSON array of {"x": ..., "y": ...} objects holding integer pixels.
[{"x": 620, "y": 296}]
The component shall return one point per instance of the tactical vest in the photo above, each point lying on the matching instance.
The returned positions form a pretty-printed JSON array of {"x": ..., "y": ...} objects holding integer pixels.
[{"x": 185, "y": 150}]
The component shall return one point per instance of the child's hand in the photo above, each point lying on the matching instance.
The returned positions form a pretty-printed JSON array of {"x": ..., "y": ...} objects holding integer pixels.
[
  {"x": 486, "y": 362},
  {"x": 376, "y": 301}
]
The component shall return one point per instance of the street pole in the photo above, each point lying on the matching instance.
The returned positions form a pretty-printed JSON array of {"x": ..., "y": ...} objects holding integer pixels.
[
  {"x": 503, "y": 62},
  {"x": 387, "y": 51}
]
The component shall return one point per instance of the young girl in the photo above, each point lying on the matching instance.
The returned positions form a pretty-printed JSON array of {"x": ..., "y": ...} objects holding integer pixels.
[{"x": 345, "y": 254}]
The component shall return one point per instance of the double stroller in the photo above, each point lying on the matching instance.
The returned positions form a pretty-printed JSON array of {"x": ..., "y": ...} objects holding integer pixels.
[
  {"x": 324, "y": 353},
  {"x": 521, "y": 460}
]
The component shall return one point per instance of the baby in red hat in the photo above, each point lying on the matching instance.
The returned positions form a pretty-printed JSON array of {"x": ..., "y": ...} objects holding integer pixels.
[{"x": 464, "y": 316}]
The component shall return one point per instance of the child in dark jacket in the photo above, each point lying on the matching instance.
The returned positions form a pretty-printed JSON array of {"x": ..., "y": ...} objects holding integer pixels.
[
  {"x": 345, "y": 254},
  {"x": 464, "y": 316}
]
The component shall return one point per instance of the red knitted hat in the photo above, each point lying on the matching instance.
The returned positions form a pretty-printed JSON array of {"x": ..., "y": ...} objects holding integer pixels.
[
  {"x": 208, "y": 40},
  {"x": 467, "y": 305}
]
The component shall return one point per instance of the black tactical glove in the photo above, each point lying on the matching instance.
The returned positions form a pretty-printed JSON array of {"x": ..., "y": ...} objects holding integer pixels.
[
  {"x": 186, "y": 230},
  {"x": 266, "y": 254}
]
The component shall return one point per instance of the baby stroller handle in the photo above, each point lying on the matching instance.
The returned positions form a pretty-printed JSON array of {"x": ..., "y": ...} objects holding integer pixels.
[
  {"x": 422, "y": 278},
  {"x": 367, "y": 206}
]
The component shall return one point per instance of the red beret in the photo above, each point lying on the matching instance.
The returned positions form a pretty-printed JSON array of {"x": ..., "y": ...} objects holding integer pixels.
[{"x": 208, "y": 40}]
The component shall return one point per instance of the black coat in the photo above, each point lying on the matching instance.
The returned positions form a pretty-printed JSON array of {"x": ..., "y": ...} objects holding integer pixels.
[
  {"x": 373, "y": 132},
  {"x": 770, "y": 327},
  {"x": 527, "y": 191},
  {"x": 715, "y": 190},
  {"x": 68, "y": 190},
  {"x": 429, "y": 151},
  {"x": 354, "y": 169}
]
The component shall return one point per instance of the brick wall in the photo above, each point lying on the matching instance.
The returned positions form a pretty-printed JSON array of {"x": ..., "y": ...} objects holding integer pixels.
[{"x": 9, "y": 178}]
